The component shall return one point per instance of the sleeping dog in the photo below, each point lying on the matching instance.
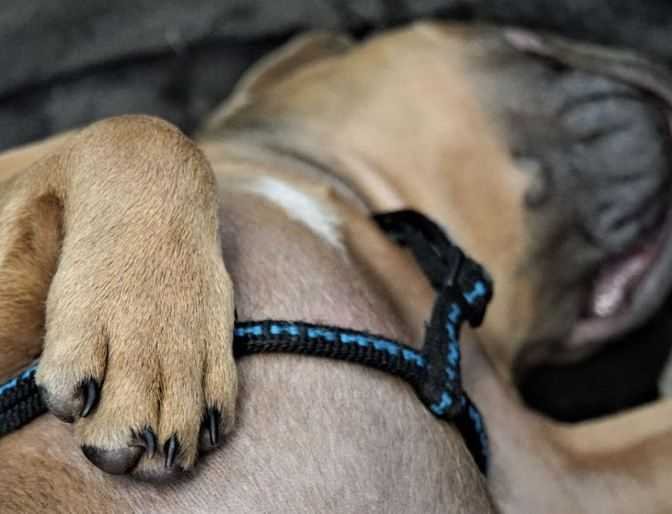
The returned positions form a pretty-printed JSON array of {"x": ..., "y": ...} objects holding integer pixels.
[{"x": 120, "y": 246}]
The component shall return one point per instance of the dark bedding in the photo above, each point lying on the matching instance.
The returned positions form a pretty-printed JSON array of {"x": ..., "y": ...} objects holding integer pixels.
[{"x": 68, "y": 62}]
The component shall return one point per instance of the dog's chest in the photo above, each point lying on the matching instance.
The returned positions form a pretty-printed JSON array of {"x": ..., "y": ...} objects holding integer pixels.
[{"x": 289, "y": 259}]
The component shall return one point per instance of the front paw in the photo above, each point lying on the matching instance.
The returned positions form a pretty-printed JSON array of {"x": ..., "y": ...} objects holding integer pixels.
[{"x": 139, "y": 357}]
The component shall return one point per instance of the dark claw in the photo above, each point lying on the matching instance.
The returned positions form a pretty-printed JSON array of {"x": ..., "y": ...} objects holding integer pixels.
[
  {"x": 150, "y": 440},
  {"x": 147, "y": 440},
  {"x": 90, "y": 392},
  {"x": 116, "y": 462},
  {"x": 171, "y": 449},
  {"x": 212, "y": 420},
  {"x": 214, "y": 417},
  {"x": 210, "y": 430}
]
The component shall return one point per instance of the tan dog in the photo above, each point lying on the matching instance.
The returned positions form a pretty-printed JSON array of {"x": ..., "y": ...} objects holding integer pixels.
[{"x": 124, "y": 216}]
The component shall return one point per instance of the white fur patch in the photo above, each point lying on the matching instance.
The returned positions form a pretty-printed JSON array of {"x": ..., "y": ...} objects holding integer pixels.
[{"x": 299, "y": 206}]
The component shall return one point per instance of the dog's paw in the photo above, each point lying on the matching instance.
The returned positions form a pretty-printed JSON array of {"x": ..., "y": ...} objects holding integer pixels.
[
  {"x": 141, "y": 362},
  {"x": 139, "y": 316},
  {"x": 116, "y": 232}
]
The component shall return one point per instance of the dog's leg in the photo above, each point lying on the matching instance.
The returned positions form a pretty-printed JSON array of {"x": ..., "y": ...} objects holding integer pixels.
[
  {"x": 628, "y": 453},
  {"x": 110, "y": 247},
  {"x": 30, "y": 235},
  {"x": 618, "y": 465},
  {"x": 27, "y": 248}
]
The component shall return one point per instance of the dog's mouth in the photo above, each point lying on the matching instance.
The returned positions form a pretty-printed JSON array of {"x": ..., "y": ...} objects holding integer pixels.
[
  {"x": 624, "y": 293},
  {"x": 622, "y": 123}
]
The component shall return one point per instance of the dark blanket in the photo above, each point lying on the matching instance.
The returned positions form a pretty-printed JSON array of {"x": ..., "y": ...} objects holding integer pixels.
[{"x": 69, "y": 62}]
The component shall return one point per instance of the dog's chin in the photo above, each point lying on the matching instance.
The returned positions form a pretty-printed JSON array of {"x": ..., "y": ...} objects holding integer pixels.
[{"x": 622, "y": 296}]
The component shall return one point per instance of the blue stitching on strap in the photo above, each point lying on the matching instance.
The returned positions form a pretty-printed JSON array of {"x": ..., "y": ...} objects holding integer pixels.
[
  {"x": 446, "y": 403},
  {"x": 477, "y": 420},
  {"x": 10, "y": 384},
  {"x": 292, "y": 330},
  {"x": 255, "y": 330},
  {"x": 312, "y": 332},
  {"x": 325, "y": 334},
  {"x": 479, "y": 290}
]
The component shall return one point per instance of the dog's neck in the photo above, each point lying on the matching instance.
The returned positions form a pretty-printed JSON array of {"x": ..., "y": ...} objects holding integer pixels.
[
  {"x": 348, "y": 243},
  {"x": 356, "y": 181},
  {"x": 517, "y": 434},
  {"x": 396, "y": 152}
]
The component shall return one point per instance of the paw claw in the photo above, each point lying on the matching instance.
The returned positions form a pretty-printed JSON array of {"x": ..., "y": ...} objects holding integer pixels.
[
  {"x": 118, "y": 461},
  {"x": 210, "y": 430},
  {"x": 171, "y": 449},
  {"x": 214, "y": 417},
  {"x": 150, "y": 441},
  {"x": 147, "y": 439},
  {"x": 90, "y": 392}
]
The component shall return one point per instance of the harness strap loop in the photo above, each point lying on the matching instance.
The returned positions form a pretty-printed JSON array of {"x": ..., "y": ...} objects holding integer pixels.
[
  {"x": 463, "y": 291},
  {"x": 443, "y": 262}
]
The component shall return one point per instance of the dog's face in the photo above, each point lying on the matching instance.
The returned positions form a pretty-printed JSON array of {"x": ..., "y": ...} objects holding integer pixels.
[
  {"x": 590, "y": 130},
  {"x": 546, "y": 160}
]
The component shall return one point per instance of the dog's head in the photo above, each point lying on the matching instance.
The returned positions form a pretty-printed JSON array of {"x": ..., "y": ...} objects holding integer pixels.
[
  {"x": 590, "y": 127},
  {"x": 547, "y": 160}
]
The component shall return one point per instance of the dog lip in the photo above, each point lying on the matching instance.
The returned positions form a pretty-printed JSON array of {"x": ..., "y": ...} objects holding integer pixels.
[{"x": 647, "y": 295}]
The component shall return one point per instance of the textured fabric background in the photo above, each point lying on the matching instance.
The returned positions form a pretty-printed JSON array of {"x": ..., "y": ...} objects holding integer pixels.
[{"x": 67, "y": 62}]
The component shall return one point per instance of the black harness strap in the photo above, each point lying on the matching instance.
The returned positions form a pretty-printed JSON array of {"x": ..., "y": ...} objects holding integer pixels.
[
  {"x": 20, "y": 401},
  {"x": 463, "y": 291}
]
